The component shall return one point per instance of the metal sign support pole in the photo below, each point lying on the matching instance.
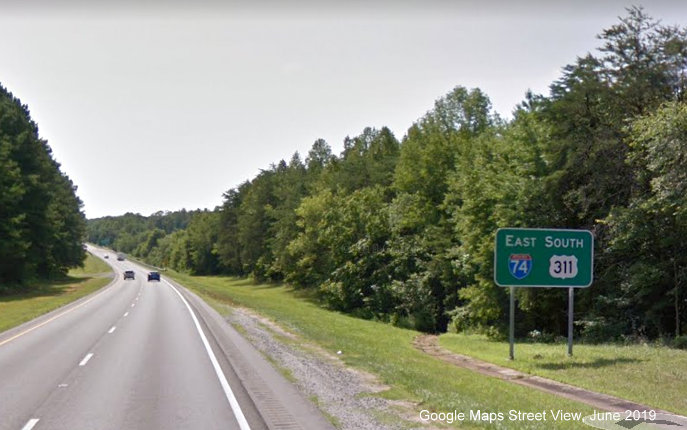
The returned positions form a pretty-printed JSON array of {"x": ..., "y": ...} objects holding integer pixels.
[
  {"x": 571, "y": 291},
  {"x": 512, "y": 322}
]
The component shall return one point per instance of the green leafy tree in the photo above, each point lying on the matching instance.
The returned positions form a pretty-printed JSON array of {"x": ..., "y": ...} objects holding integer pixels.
[
  {"x": 151, "y": 242},
  {"x": 201, "y": 236},
  {"x": 253, "y": 225},
  {"x": 642, "y": 65},
  {"x": 228, "y": 245},
  {"x": 310, "y": 249},
  {"x": 367, "y": 160},
  {"x": 426, "y": 282},
  {"x": 648, "y": 234},
  {"x": 14, "y": 245},
  {"x": 289, "y": 189},
  {"x": 40, "y": 216},
  {"x": 497, "y": 184},
  {"x": 356, "y": 234}
]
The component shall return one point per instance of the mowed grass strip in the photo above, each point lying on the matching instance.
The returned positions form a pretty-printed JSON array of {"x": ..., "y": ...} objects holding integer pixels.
[
  {"x": 16, "y": 309},
  {"x": 651, "y": 375},
  {"x": 387, "y": 352}
]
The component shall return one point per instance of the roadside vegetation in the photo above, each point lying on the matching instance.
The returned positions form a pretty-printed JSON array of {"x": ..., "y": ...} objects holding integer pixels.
[
  {"x": 402, "y": 230},
  {"x": 645, "y": 373},
  {"x": 385, "y": 351},
  {"x": 41, "y": 224},
  {"x": 44, "y": 297}
]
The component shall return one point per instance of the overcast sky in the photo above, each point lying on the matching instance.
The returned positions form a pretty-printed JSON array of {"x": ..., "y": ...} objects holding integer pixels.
[{"x": 165, "y": 106}]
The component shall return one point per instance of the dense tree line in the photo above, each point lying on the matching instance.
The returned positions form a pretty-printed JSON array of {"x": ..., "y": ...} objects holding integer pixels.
[
  {"x": 42, "y": 227},
  {"x": 403, "y": 231},
  {"x": 161, "y": 238}
]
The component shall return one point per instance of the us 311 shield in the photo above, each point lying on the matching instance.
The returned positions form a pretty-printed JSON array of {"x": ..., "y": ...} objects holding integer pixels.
[
  {"x": 520, "y": 265},
  {"x": 563, "y": 266}
]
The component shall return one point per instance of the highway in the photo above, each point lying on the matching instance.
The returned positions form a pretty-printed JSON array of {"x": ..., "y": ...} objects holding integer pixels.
[{"x": 141, "y": 355}]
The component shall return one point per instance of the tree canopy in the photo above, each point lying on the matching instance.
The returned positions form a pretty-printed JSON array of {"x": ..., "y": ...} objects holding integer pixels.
[{"x": 42, "y": 227}]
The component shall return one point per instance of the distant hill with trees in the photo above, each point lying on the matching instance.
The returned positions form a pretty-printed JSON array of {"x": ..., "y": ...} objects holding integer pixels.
[{"x": 403, "y": 230}]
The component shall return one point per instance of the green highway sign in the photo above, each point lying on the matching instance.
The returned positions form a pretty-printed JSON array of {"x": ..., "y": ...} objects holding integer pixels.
[
  {"x": 532, "y": 257},
  {"x": 537, "y": 257}
]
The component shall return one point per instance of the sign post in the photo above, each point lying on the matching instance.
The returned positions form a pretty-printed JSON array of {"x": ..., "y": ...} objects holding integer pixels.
[
  {"x": 548, "y": 258},
  {"x": 571, "y": 292},
  {"x": 511, "y": 330}
]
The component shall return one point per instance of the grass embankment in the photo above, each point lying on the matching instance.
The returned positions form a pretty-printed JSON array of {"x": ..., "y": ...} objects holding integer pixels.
[
  {"x": 387, "y": 351},
  {"x": 16, "y": 309},
  {"x": 652, "y": 375}
]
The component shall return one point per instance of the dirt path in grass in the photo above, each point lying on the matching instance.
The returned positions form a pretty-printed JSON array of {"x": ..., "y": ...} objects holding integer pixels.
[
  {"x": 347, "y": 395},
  {"x": 430, "y": 345}
]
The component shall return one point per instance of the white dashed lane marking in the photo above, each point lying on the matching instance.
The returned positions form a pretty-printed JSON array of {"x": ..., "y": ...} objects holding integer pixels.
[
  {"x": 30, "y": 424},
  {"x": 85, "y": 359}
]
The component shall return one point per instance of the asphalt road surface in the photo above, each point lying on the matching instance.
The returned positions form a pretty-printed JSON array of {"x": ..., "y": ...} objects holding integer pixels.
[{"x": 141, "y": 355}]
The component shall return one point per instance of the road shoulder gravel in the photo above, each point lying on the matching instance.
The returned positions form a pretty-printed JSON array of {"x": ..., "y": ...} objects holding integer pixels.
[{"x": 347, "y": 396}]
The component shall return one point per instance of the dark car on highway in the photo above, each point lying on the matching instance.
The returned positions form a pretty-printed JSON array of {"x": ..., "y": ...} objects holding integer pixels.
[
  {"x": 129, "y": 274},
  {"x": 154, "y": 276}
]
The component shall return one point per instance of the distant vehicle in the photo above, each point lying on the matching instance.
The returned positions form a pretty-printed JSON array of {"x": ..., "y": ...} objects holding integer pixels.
[
  {"x": 106, "y": 256},
  {"x": 153, "y": 276},
  {"x": 121, "y": 257},
  {"x": 129, "y": 274}
]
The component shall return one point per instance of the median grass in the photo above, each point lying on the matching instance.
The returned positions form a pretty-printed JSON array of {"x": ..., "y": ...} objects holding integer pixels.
[
  {"x": 41, "y": 298},
  {"x": 387, "y": 352},
  {"x": 648, "y": 374}
]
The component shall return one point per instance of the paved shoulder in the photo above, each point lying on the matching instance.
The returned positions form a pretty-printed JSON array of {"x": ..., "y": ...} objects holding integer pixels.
[{"x": 277, "y": 400}]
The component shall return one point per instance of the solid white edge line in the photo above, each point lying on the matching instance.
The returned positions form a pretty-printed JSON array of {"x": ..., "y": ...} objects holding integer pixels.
[
  {"x": 85, "y": 359},
  {"x": 238, "y": 413},
  {"x": 114, "y": 327},
  {"x": 30, "y": 424}
]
